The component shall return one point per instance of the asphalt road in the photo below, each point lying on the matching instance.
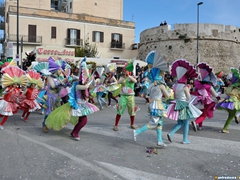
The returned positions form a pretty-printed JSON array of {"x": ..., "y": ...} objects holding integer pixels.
[{"x": 27, "y": 153}]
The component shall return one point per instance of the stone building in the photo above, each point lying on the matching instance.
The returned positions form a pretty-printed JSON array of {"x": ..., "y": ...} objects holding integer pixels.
[{"x": 219, "y": 45}]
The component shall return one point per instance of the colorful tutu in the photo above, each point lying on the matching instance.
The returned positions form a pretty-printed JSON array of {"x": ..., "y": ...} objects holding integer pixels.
[
  {"x": 84, "y": 109},
  {"x": 113, "y": 87},
  {"x": 30, "y": 105},
  {"x": 157, "y": 108},
  {"x": 183, "y": 110},
  {"x": 99, "y": 88},
  {"x": 231, "y": 102},
  {"x": 8, "y": 108},
  {"x": 61, "y": 116}
]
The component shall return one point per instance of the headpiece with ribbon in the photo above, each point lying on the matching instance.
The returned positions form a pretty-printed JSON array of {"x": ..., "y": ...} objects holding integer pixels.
[
  {"x": 84, "y": 72},
  {"x": 183, "y": 70},
  {"x": 13, "y": 75},
  {"x": 158, "y": 66},
  {"x": 34, "y": 78},
  {"x": 42, "y": 68},
  {"x": 206, "y": 73},
  {"x": 129, "y": 66}
]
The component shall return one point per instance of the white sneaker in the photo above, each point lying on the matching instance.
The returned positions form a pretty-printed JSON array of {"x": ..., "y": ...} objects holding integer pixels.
[
  {"x": 134, "y": 135},
  {"x": 76, "y": 138},
  {"x": 161, "y": 144},
  {"x": 1, "y": 128},
  {"x": 22, "y": 118}
]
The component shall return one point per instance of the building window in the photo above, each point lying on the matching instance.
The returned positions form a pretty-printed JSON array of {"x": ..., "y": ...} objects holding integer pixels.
[
  {"x": 70, "y": 5},
  {"x": 116, "y": 40},
  {"x": 54, "y": 33},
  {"x": 97, "y": 36},
  {"x": 73, "y": 36},
  {"x": 32, "y": 33}
]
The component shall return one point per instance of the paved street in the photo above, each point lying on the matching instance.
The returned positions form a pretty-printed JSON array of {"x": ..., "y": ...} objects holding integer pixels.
[{"x": 103, "y": 154}]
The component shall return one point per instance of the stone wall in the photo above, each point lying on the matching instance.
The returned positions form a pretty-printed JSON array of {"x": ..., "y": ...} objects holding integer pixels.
[{"x": 219, "y": 45}]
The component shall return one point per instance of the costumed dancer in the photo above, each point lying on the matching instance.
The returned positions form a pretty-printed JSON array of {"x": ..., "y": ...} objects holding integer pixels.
[
  {"x": 232, "y": 102},
  {"x": 220, "y": 84},
  {"x": 127, "y": 98},
  {"x": 29, "y": 103},
  {"x": 111, "y": 82},
  {"x": 12, "y": 78},
  {"x": 55, "y": 84},
  {"x": 63, "y": 76},
  {"x": 204, "y": 91},
  {"x": 182, "y": 108},
  {"x": 99, "y": 88},
  {"x": 43, "y": 69},
  {"x": 77, "y": 109},
  {"x": 144, "y": 89},
  {"x": 156, "y": 108}
]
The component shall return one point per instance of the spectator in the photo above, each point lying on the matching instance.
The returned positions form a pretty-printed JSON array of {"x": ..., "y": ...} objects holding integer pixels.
[{"x": 138, "y": 69}]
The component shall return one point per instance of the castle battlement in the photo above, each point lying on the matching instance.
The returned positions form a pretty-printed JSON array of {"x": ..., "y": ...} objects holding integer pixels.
[{"x": 219, "y": 45}]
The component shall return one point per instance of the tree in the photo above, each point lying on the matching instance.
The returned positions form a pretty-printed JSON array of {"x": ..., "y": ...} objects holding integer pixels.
[{"x": 88, "y": 50}]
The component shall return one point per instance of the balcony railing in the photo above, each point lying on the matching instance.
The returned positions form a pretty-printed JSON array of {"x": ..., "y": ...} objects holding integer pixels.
[
  {"x": 62, "y": 3},
  {"x": 74, "y": 42},
  {"x": 117, "y": 45},
  {"x": 26, "y": 39}
]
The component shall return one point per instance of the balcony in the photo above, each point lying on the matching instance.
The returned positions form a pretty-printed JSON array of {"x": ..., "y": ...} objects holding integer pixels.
[
  {"x": 62, "y": 4},
  {"x": 117, "y": 45},
  {"x": 26, "y": 39},
  {"x": 135, "y": 46},
  {"x": 73, "y": 42}
]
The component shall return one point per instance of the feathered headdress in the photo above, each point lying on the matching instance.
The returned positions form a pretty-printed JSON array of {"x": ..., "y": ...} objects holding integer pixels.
[
  {"x": 34, "y": 78},
  {"x": 182, "y": 69},
  {"x": 13, "y": 75},
  {"x": 111, "y": 67},
  {"x": 206, "y": 73},
  {"x": 84, "y": 72},
  {"x": 42, "y": 68},
  {"x": 235, "y": 81}
]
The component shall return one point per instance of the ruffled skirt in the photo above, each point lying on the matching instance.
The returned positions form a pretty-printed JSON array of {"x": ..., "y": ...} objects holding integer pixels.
[
  {"x": 230, "y": 103},
  {"x": 182, "y": 110},
  {"x": 61, "y": 116},
  {"x": 8, "y": 108},
  {"x": 30, "y": 105},
  {"x": 157, "y": 108}
]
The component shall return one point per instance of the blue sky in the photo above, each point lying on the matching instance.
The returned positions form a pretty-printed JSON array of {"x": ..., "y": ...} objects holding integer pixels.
[{"x": 149, "y": 13}]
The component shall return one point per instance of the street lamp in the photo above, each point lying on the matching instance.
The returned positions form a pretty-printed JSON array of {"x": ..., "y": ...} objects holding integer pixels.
[
  {"x": 17, "y": 55},
  {"x": 200, "y": 3}
]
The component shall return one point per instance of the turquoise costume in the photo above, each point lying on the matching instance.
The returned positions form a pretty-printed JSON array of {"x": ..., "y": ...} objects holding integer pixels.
[{"x": 156, "y": 108}]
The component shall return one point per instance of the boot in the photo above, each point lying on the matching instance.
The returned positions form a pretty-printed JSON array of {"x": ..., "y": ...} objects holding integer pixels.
[{"x": 159, "y": 134}]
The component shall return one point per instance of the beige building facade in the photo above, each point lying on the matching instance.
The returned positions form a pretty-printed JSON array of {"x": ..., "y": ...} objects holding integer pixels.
[{"x": 59, "y": 26}]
